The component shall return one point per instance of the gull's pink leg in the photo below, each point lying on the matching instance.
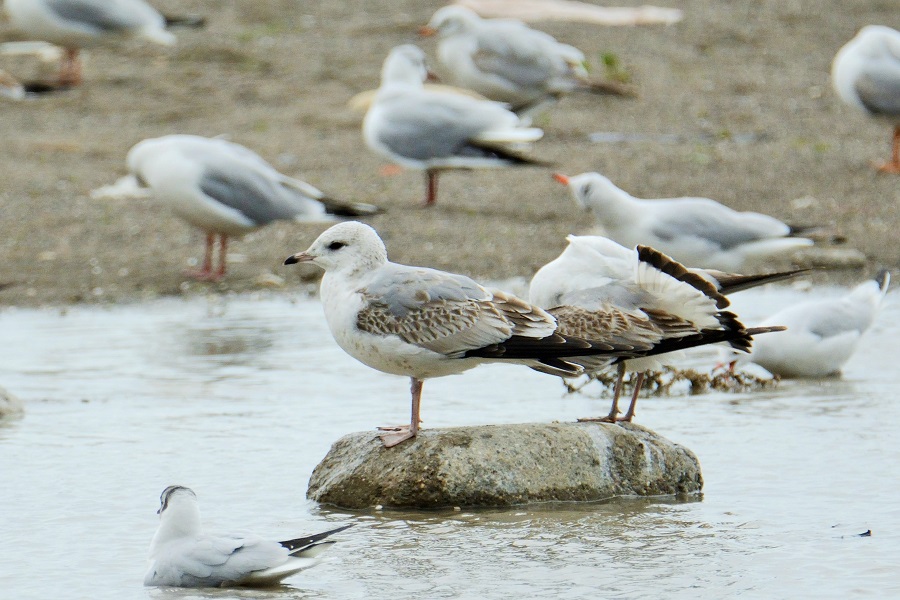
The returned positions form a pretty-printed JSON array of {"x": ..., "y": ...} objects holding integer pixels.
[
  {"x": 223, "y": 256},
  {"x": 614, "y": 411},
  {"x": 205, "y": 273},
  {"x": 893, "y": 166},
  {"x": 637, "y": 390},
  {"x": 431, "y": 181},
  {"x": 70, "y": 71},
  {"x": 405, "y": 432}
]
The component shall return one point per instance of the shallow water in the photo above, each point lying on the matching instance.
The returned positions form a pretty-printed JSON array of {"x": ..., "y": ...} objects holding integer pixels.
[{"x": 239, "y": 398}]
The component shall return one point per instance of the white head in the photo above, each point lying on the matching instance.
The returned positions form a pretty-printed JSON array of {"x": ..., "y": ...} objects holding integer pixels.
[
  {"x": 347, "y": 247},
  {"x": 404, "y": 64},
  {"x": 453, "y": 19},
  {"x": 592, "y": 190},
  {"x": 179, "y": 514}
]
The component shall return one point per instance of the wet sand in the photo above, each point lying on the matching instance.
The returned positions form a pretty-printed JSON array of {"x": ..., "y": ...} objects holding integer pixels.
[{"x": 743, "y": 85}]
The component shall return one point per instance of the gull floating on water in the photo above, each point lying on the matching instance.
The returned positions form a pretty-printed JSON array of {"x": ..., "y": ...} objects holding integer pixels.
[
  {"x": 821, "y": 335},
  {"x": 226, "y": 190},
  {"x": 597, "y": 275},
  {"x": 423, "y": 323},
  {"x": 866, "y": 75},
  {"x": 435, "y": 131},
  {"x": 76, "y": 24},
  {"x": 181, "y": 555},
  {"x": 508, "y": 61},
  {"x": 694, "y": 231}
]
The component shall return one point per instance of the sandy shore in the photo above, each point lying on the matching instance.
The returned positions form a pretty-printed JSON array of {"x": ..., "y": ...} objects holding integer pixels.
[{"x": 743, "y": 85}]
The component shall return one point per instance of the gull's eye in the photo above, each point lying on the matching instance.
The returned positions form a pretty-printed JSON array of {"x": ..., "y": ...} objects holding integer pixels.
[
  {"x": 336, "y": 245},
  {"x": 586, "y": 190}
]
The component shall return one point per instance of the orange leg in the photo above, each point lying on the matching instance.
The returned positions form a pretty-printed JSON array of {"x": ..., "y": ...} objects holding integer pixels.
[
  {"x": 70, "y": 70},
  {"x": 893, "y": 166},
  {"x": 431, "y": 181}
]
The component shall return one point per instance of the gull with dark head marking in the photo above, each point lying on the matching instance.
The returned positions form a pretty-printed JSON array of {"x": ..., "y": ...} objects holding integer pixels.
[
  {"x": 227, "y": 190},
  {"x": 508, "y": 61},
  {"x": 866, "y": 75},
  {"x": 695, "y": 231},
  {"x": 435, "y": 131},
  {"x": 76, "y": 24},
  {"x": 595, "y": 276},
  {"x": 182, "y": 555},
  {"x": 423, "y": 323}
]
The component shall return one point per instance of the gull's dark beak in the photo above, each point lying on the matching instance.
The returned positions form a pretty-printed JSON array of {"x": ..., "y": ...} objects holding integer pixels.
[{"x": 299, "y": 258}]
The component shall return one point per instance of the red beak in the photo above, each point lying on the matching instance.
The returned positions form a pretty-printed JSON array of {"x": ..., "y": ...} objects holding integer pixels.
[{"x": 561, "y": 178}]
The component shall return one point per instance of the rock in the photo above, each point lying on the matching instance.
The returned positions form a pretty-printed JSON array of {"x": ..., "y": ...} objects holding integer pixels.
[
  {"x": 504, "y": 465},
  {"x": 10, "y": 406}
]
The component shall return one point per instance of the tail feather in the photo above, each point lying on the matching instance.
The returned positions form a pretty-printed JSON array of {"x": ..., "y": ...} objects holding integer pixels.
[
  {"x": 511, "y": 156},
  {"x": 193, "y": 21},
  {"x": 300, "y": 544},
  {"x": 340, "y": 208},
  {"x": 734, "y": 282},
  {"x": 608, "y": 88}
]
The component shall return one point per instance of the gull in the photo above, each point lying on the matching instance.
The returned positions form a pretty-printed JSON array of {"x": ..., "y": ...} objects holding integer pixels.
[
  {"x": 423, "y": 323},
  {"x": 76, "y": 24},
  {"x": 866, "y": 75},
  {"x": 695, "y": 231},
  {"x": 434, "y": 131},
  {"x": 508, "y": 61},
  {"x": 594, "y": 272},
  {"x": 182, "y": 555},
  {"x": 821, "y": 334},
  {"x": 226, "y": 189}
]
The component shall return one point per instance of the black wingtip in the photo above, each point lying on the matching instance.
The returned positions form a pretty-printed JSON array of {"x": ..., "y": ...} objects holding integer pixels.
[
  {"x": 302, "y": 542},
  {"x": 192, "y": 21},
  {"x": 883, "y": 279}
]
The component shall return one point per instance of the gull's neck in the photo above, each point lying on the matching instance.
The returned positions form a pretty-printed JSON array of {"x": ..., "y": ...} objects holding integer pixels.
[{"x": 179, "y": 521}]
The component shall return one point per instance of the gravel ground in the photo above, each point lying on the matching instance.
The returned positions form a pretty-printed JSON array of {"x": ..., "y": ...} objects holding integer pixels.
[{"x": 743, "y": 84}]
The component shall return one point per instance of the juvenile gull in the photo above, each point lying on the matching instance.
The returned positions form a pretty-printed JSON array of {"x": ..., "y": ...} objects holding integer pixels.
[
  {"x": 182, "y": 555},
  {"x": 227, "y": 190},
  {"x": 76, "y": 24},
  {"x": 821, "y": 334},
  {"x": 434, "y": 131},
  {"x": 695, "y": 231},
  {"x": 508, "y": 61},
  {"x": 866, "y": 75},
  {"x": 422, "y": 323},
  {"x": 596, "y": 275}
]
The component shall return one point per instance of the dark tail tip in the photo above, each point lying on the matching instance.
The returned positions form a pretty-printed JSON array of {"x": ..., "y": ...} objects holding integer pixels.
[{"x": 291, "y": 260}]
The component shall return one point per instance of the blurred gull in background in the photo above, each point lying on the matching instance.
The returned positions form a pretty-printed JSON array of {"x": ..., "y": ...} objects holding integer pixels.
[
  {"x": 866, "y": 75},
  {"x": 434, "y": 131},
  {"x": 224, "y": 189},
  {"x": 695, "y": 231}
]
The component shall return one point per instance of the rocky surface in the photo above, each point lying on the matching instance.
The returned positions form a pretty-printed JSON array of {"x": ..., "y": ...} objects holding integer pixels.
[{"x": 503, "y": 465}]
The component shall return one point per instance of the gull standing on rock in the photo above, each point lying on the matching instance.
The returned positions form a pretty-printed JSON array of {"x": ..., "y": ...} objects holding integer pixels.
[
  {"x": 181, "y": 555},
  {"x": 423, "y": 323},
  {"x": 227, "y": 190},
  {"x": 595, "y": 276},
  {"x": 76, "y": 24},
  {"x": 694, "y": 231},
  {"x": 435, "y": 131},
  {"x": 866, "y": 75},
  {"x": 508, "y": 61},
  {"x": 821, "y": 335}
]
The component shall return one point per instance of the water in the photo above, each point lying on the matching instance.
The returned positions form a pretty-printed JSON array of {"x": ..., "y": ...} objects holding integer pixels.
[{"x": 240, "y": 398}]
